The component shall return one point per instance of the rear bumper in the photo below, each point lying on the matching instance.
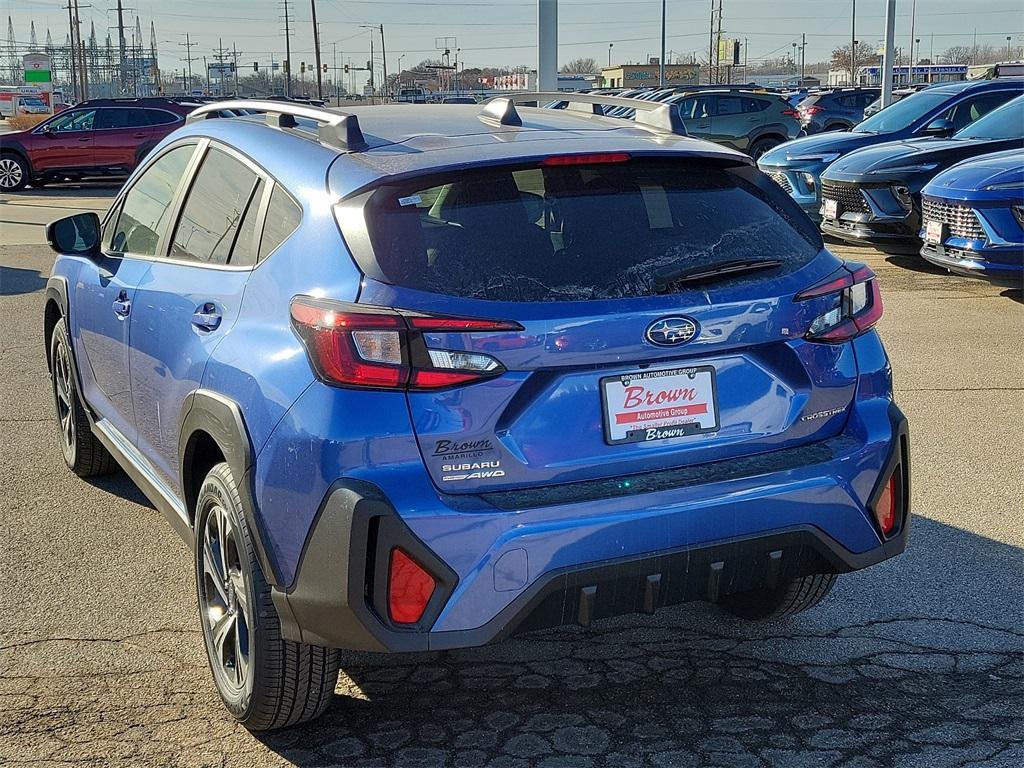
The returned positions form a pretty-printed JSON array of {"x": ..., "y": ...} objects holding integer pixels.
[{"x": 715, "y": 539}]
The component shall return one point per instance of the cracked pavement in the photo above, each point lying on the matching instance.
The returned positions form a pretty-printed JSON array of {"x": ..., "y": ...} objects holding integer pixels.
[{"x": 918, "y": 661}]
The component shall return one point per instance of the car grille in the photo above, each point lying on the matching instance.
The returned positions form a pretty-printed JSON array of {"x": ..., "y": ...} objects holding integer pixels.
[
  {"x": 849, "y": 196},
  {"x": 961, "y": 220},
  {"x": 782, "y": 180}
]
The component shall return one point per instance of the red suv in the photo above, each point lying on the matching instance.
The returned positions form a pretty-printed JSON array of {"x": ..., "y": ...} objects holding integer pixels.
[{"x": 99, "y": 137}]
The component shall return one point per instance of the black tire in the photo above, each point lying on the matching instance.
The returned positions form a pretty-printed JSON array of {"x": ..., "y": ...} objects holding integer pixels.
[
  {"x": 83, "y": 452},
  {"x": 14, "y": 172},
  {"x": 792, "y": 597},
  {"x": 761, "y": 146},
  {"x": 265, "y": 681}
]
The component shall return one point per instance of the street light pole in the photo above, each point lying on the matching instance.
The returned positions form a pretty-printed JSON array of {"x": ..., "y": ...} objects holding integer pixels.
[
  {"x": 910, "y": 63},
  {"x": 316, "y": 51},
  {"x": 610, "y": 46},
  {"x": 383, "y": 62},
  {"x": 853, "y": 44},
  {"x": 661, "y": 60},
  {"x": 887, "y": 61}
]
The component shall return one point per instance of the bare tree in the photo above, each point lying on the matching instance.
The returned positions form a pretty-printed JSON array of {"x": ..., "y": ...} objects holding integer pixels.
[
  {"x": 957, "y": 54},
  {"x": 865, "y": 55},
  {"x": 581, "y": 66}
]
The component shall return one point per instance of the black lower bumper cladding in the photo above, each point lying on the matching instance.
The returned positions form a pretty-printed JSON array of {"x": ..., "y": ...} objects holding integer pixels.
[{"x": 339, "y": 596}]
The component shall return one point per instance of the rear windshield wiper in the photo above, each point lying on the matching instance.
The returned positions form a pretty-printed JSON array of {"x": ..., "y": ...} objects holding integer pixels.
[{"x": 670, "y": 276}]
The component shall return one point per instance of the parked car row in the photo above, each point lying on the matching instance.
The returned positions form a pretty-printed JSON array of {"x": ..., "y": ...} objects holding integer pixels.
[{"x": 909, "y": 179}]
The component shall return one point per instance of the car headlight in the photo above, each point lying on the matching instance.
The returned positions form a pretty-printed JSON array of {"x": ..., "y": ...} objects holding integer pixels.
[
  {"x": 1018, "y": 214},
  {"x": 826, "y": 157},
  {"x": 917, "y": 168}
]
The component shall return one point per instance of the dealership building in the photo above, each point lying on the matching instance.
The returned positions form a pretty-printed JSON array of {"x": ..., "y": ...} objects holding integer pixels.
[{"x": 639, "y": 75}]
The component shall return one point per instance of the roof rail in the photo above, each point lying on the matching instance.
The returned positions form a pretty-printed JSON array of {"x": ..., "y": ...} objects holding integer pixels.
[
  {"x": 338, "y": 130},
  {"x": 654, "y": 115}
]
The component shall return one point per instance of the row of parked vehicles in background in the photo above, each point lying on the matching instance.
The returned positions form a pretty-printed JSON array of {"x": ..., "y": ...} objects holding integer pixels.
[{"x": 862, "y": 180}]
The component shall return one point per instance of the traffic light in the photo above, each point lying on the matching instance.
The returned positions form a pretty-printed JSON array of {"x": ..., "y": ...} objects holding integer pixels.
[
  {"x": 255, "y": 66},
  {"x": 346, "y": 69},
  {"x": 325, "y": 68},
  {"x": 302, "y": 67},
  {"x": 285, "y": 64}
]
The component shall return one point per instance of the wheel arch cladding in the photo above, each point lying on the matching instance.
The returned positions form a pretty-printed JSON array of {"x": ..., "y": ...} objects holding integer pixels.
[
  {"x": 55, "y": 308},
  {"x": 212, "y": 430}
]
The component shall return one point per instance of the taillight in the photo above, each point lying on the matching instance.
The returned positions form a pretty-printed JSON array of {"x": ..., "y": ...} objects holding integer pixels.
[
  {"x": 356, "y": 346},
  {"x": 588, "y": 159},
  {"x": 410, "y": 588},
  {"x": 857, "y": 306},
  {"x": 812, "y": 110},
  {"x": 886, "y": 507},
  {"x": 791, "y": 112}
]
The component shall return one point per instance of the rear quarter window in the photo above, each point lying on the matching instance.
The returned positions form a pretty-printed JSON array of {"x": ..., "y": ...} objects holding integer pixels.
[{"x": 560, "y": 233}]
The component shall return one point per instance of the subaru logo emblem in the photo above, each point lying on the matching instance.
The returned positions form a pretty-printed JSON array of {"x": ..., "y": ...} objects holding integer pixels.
[{"x": 671, "y": 331}]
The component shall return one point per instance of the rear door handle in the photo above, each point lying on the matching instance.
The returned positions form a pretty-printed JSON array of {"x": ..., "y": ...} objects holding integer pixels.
[
  {"x": 206, "y": 317},
  {"x": 122, "y": 306},
  {"x": 139, "y": 135},
  {"x": 84, "y": 138}
]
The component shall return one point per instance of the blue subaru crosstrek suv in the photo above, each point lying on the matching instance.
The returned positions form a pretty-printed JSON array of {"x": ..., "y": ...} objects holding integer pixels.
[{"x": 413, "y": 378}]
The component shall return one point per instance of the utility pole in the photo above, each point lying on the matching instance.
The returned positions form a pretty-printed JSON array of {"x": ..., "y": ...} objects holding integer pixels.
[
  {"x": 316, "y": 51},
  {"x": 661, "y": 60},
  {"x": 234, "y": 60},
  {"x": 188, "y": 59},
  {"x": 853, "y": 44},
  {"x": 718, "y": 45},
  {"x": 82, "y": 72},
  {"x": 123, "y": 56},
  {"x": 384, "y": 63},
  {"x": 887, "y": 62},
  {"x": 334, "y": 73},
  {"x": 207, "y": 68},
  {"x": 910, "y": 63},
  {"x": 711, "y": 44},
  {"x": 75, "y": 90},
  {"x": 369, "y": 65},
  {"x": 803, "y": 58},
  {"x": 287, "y": 53}
]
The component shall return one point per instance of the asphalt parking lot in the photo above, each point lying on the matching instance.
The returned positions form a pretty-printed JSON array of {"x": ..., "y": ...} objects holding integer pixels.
[{"x": 915, "y": 662}]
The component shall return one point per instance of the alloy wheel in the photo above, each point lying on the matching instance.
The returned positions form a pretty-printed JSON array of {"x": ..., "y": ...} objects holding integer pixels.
[
  {"x": 10, "y": 173},
  {"x": 64, "y": 396},
  {"x": 224, "y": 599}
]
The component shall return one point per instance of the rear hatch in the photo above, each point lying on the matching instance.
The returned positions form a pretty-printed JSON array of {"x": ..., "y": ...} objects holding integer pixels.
[{"x": 625, "y": 359}]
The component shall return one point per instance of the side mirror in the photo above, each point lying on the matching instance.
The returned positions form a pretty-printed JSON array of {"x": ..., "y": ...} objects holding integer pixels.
[
  {"x": 940, "y": 126},
  {"x": 78, "y": 234}
]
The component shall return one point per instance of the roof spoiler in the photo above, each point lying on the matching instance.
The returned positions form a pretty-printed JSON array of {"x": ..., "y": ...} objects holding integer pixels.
[
  {"x": 652, "y": 115},
  {"x": 338, "y": 130}
]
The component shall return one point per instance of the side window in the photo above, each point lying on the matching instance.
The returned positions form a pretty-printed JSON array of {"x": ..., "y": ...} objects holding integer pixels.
[
  {"x": 686, "y": 108},
  {"x": 244, "y": 251},
  {"x": 120, "y": 118},
  {"x": 283, "y": 218},
  {"x": 213, "y": 209},
  {"x": 754, "y": 105},
  {"x": 159, "y": 117},
  {"x": 78, "y": 120},
  {"x": 970, "y": 109},
  {"x": 729, "y": 105},
  {"x": 146, "y": 207}
]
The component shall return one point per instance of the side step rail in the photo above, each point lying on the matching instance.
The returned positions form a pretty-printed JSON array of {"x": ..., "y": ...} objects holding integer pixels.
[
  {"x": 653, "y": 115},
  {"x": 338, "y": 130}
]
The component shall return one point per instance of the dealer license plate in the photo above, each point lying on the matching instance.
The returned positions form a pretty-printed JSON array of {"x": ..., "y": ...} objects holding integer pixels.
[
  {"x": 933, "y": 232},
  {"x": 830, "y": 208},
  {"x": 659, "y": 405}
]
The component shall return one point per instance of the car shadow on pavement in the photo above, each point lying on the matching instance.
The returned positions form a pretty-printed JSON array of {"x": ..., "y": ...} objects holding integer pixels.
[
  {"x": 15, "y": 281},
  {"x": 916, "y": 661},
  {"x": 1016, "y": 294},
  {"x": 915, "y": 262}
]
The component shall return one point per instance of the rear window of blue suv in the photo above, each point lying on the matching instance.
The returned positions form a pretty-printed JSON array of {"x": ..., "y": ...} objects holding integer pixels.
[{"x": 567, "y": 232}]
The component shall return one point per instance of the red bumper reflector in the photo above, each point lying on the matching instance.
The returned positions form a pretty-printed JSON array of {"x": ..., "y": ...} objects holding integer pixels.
[
  {"x": 410, "y": 588},
  {"x": 885, "y": 507}
]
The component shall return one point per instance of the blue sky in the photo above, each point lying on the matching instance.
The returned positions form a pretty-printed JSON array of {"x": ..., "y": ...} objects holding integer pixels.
[{"x": 490, "y": 32}]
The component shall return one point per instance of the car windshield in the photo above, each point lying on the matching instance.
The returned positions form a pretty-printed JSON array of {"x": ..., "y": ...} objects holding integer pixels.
[
  {"x": 902, "y": 114},
  {"x": 1006, "y": 122},
  {"x": 568, "y": 232}
]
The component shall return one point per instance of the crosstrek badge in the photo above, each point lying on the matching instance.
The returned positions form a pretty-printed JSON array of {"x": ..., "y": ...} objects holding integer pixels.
[{"x": 659, "y": 405}]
